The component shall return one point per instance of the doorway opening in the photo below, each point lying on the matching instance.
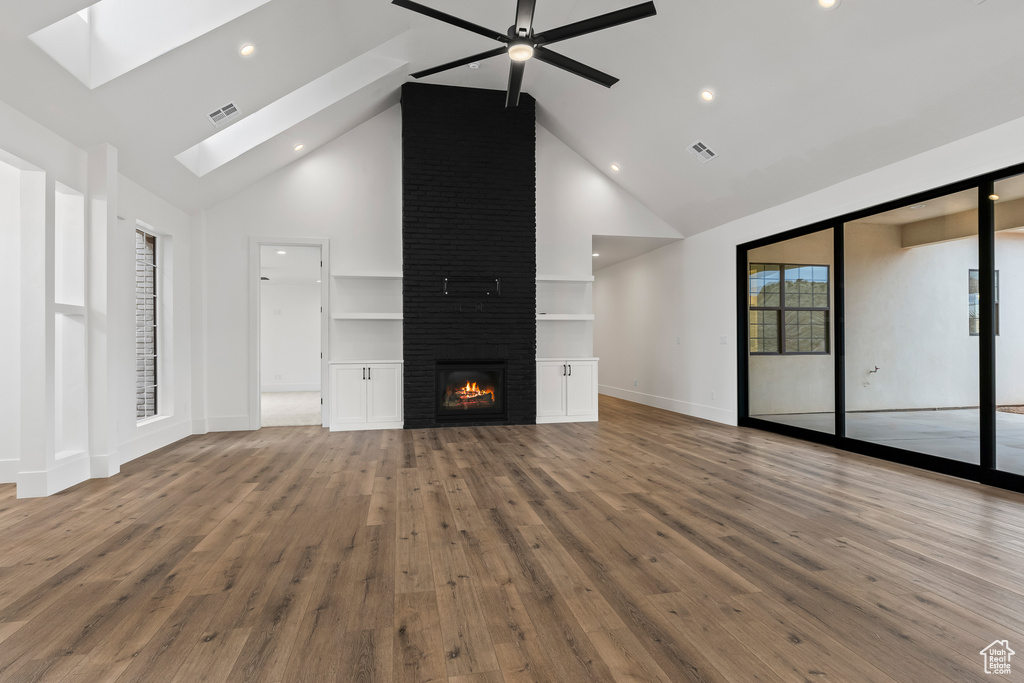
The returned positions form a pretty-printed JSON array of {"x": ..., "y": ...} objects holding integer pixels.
[{"x": 290, "y": 335}]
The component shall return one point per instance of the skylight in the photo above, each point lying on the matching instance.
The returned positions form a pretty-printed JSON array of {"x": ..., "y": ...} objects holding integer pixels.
[
  {"x": 290, "y": 110},
  {"x": 112, "y": 37}
]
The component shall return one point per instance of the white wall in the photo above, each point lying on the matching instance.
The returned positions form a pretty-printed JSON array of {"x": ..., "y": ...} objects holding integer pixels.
[
  {"x": 693, "y": 282},
  {"x": 575, "y": 201},
  {"x": 50, "y": 420},
  {"x": 137, "y": 206},
  {"x": 289, "y": 337},
  {"x": 10, "y": 310},
  {"x": 350, "y": 192}
]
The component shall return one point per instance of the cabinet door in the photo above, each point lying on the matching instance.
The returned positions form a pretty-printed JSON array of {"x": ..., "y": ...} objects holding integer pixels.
[
  {"x": 550, "y": 389},
  {"x": 384, "y": 393},
  {"x": 348, "y": 394},
  {"x": 581, "y": 388}
]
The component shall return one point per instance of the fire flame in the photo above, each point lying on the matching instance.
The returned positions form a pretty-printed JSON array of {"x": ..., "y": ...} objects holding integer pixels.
[{"x": 472, "y": 389}]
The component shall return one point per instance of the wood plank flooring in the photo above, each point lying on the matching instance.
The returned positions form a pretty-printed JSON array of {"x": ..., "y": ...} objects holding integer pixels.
[{"x": 646, "y": 547}]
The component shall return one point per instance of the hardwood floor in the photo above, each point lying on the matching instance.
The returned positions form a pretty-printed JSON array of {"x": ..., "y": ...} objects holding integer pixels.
[{"x": 646, "y": 547}]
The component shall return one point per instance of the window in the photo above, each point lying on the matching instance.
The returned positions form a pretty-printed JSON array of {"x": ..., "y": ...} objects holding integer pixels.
[
  {"x": 973, "y": 301},
  {"x": 145, "y": 326},
  {"x": 789, "y": 307}
]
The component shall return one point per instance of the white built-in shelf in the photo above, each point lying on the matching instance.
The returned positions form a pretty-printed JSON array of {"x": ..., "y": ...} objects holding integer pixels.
[
  {"x": 69, "y": 309},
  {"x": 565, "y": 316},
  {"x": 367, "y": 316},
  {"x": 377, "y": 275},
  {"x": 565, "y": 278}
]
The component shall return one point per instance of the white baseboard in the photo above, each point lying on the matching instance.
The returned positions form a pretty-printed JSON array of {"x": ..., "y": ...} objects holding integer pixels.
[
  {"x": 705, "y": 412},
  {"x": 64, "y": 474},
  {"x": 365, "y": 426},
  {"x": 199, "y": 427},
  {"x": 554, "y": 419},
  {"x": 271, "y": 388},
  {"x": 234, "y": 423},
  {"x": 153, "y": 440},
  {"x": 105, "y": 465}
]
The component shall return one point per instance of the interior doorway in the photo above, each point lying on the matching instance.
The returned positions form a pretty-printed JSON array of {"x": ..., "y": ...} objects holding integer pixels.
[{"x": 290, "y": 335}]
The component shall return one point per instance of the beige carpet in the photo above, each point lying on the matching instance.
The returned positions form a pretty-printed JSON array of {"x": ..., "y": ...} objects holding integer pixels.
[{"x": 289, "y": 408}]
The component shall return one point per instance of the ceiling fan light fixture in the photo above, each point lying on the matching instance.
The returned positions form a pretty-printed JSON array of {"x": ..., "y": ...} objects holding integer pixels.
[{"x": 520, "y": 51}]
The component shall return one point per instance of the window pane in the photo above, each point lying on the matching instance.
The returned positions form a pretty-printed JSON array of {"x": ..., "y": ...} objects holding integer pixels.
[
  {"x": 905, "y": 315},
  {"x": 145, "y": 326},
  {"x": 1009, "y": 327},
  {"x": 791, "y": 376}
]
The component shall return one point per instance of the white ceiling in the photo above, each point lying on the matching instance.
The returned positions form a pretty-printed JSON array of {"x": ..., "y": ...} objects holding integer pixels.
[
  {"x": 805, "y": 97},
  {"x": 612, "y": 249}
]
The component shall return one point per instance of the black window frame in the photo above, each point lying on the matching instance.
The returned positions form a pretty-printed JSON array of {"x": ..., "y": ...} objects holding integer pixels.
[
  {"x": 144, "y": 361},
  {"x": 782, "y": 308},
  {"x": 987, "y": 471}
]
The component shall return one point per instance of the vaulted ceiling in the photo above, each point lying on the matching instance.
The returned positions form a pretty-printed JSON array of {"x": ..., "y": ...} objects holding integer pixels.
[{"x": 805, "y": 97}]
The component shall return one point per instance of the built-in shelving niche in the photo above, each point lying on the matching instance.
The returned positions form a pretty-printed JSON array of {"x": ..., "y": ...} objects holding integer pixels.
[
  {"x": 366, "y": 316},
  {"x": 565, "y": 315},
  {"x": 70, "y": 388}
]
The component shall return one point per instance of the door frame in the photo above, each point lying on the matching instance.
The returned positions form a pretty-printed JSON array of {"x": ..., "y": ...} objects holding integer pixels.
[{"x": 254, "y": 320}]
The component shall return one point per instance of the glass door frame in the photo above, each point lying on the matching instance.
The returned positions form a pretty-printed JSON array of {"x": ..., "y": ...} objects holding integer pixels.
[{"x": 984, "y": 472}]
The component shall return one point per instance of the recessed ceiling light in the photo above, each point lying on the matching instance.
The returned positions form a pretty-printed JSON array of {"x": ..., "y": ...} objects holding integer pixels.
[
  {"x": 596, "y": 254},
  {"x": 474, "y": 65},
  {"x": 318, "y": 281},
  {"x": 993, "y": 197},
  {"x": 615, "y": 167},
  {"x": 282, "y": 252},
  {"x": 828, "y": 4},
  {"x": 918, "y": 206},
  {"x": 298, "y": 147},
  {"x": 707, "y": 95},
  {"x": 520, "y": 51},
  {"x": 247, "y": 50}
]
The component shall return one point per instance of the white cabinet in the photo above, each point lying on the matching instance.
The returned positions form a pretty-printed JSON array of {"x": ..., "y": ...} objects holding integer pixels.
[
  {"x": 566, "y": 390},
  {"x": 366, "y": 396}
]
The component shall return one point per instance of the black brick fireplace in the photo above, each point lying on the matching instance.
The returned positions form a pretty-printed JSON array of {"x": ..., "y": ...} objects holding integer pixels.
[{"x": 469, "y": 224}]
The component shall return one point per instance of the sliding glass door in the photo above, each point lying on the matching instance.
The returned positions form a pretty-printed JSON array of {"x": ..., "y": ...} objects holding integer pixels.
[
  {"x": 1008, "y": 297},
  {"x": 912, "y": 379},
  {"x": 790, "y": 332}
]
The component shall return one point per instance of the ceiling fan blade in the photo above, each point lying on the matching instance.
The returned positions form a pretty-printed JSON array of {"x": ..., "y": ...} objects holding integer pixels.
[
  {"x": 572, "y": 66},
  {"x": 524, "y": 17},
  {"x": 515, "y": 83},
  {"x": 449, "y": 19},
  {"x": 459, "y": 62},
  {"x": 579, "y": 28}
]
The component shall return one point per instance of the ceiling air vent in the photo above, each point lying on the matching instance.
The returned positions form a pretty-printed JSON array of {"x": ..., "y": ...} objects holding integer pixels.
[
  {"x": 221, "y": 117},
  {"x": 702, "y": 152}
]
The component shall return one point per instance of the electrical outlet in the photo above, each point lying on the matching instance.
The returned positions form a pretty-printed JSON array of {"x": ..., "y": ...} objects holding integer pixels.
[
  {"x": 277, "y": 376},
  {"x": 723, "y": 340},
  {"x": 712, "y": 395},
  {"x": 677, "y": 341},
  {"x": 636, "y": 382}
]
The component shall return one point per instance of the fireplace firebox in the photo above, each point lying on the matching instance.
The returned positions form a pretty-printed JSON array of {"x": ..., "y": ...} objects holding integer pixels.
[{"x": 470, "y": 391}]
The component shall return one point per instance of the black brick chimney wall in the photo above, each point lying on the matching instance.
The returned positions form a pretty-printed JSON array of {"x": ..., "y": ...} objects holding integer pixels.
[{"x": 469, "y": 187}]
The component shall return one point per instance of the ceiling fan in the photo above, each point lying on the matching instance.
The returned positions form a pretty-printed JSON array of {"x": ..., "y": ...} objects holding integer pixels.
[{"x": 521, "y": 43}]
